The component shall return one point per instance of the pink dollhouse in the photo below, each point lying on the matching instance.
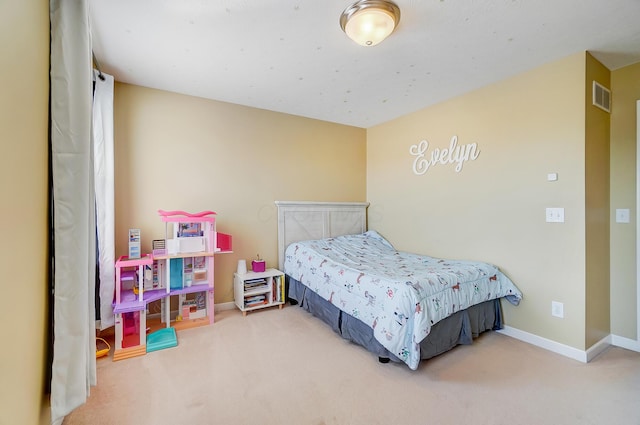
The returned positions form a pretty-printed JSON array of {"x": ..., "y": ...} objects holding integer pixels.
[{"x": 184, "y": 269}]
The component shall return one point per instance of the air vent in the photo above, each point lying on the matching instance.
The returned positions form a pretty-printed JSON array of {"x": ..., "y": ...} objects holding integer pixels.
[{"x": 601, "y": 96}]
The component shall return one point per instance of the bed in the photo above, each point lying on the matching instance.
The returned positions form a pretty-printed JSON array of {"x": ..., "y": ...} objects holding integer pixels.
[{"x": 400, "y": 306}]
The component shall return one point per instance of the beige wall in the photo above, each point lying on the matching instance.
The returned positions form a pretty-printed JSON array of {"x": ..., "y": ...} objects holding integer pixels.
[
  {"x": 239, "y": 161},
  {"x": 597, "y": 314},
  {"x": 625, "y": 86},
  {"x": 494, "y": 209},
  {"x": 187, "y": 153},
  {"x": 24, "y": 65}
]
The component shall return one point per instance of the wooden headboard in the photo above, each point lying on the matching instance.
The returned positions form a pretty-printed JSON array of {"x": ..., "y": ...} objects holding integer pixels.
[{"x": 304, "y": 220}]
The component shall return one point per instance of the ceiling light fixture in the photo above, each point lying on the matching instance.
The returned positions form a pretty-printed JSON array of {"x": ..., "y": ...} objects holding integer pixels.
[{"x": 368, "y": 22}]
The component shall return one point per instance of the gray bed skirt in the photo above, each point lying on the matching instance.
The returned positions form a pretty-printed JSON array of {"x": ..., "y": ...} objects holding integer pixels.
[{"x": 459, "y": 328}]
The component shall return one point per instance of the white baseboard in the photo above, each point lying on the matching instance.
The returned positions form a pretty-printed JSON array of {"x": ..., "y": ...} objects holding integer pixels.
[
  {"x": 545, "y": 343},
  {"x": 622, "y": 342},
  {"x": 598, "y": 348},
  {"x": 225, "y": 306},
  {"x": 567, "y": 351}
]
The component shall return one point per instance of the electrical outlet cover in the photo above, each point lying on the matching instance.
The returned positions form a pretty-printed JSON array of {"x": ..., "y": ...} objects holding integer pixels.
[
  {"x": 622, "y": 215},
  {"x": 557, "y": 309}
]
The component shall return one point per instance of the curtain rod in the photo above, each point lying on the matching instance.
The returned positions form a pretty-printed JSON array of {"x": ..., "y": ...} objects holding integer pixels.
[{"x": 95, "y": 62}]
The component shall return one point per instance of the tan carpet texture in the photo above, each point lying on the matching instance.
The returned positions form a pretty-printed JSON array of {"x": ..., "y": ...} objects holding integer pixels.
[{"x": 287, "y": 367}]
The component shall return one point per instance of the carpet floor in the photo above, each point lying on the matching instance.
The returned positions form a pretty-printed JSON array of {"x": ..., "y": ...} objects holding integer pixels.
[{"x": 287, "y": 367}]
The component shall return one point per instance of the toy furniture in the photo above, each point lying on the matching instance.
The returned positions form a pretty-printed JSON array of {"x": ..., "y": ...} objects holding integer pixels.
[
  {"x": 184, "y": 269},
  {"x": 130, "y": 308}
]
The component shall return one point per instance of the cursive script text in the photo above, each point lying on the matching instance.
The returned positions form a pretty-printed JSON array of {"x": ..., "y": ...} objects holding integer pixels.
[{"x": 455, "y": 154}]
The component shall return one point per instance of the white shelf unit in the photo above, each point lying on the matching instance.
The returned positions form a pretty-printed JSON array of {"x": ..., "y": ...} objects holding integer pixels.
[{"x": 257, "y": 290}]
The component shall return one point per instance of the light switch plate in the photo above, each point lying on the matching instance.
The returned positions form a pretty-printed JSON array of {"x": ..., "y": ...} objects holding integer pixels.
[{"x": 555, "y": 215}]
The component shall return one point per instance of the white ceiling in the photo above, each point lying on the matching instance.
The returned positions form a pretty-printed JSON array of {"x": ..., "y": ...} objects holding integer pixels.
[{"x": 291, "y": 55}]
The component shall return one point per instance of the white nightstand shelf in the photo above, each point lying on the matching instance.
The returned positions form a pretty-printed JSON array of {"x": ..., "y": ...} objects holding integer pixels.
[{"x": 256, "y": 290}]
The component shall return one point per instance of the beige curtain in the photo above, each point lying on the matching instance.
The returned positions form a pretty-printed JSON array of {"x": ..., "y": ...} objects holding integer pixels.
[{"x": 74, "y": 361}]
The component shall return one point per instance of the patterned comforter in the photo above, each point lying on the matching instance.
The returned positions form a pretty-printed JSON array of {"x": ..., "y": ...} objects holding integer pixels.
[{"x": 398, "y": 294}]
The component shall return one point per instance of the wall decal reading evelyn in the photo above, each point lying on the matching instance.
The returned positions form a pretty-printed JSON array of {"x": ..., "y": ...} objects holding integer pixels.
[{"x": 455, "y": 154}]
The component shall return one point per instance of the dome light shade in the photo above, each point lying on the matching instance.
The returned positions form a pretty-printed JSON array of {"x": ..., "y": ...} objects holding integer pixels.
[{"x": 368, "y": 22}]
